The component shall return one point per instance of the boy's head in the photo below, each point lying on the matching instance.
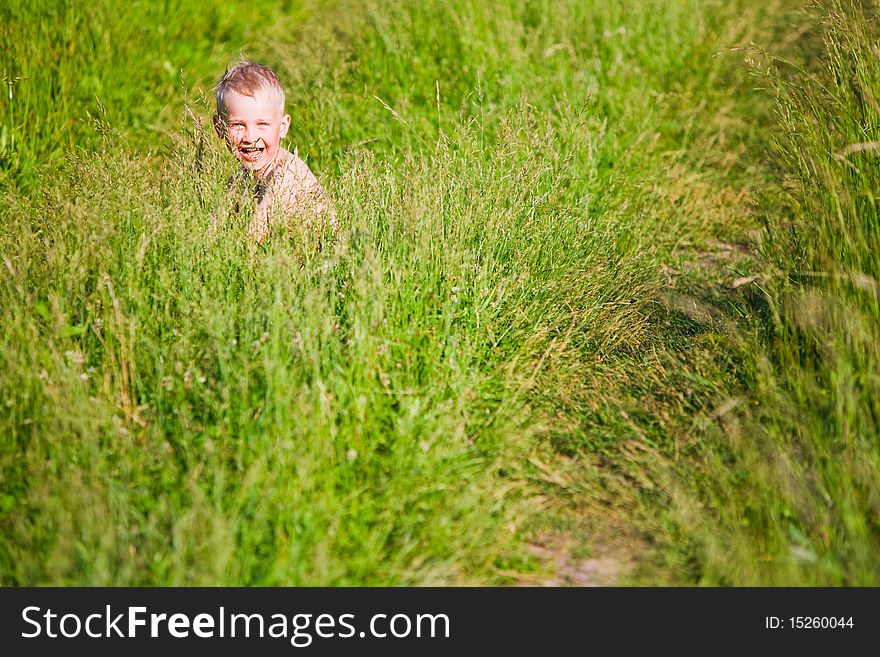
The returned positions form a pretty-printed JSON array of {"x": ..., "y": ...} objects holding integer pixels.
[{"x": 250, "y": 114}]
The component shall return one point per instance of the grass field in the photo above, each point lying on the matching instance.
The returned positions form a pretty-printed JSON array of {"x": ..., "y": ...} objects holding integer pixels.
[{"x": 604, "y": 308}]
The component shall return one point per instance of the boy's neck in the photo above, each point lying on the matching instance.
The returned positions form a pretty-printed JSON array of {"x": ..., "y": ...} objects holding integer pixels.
[{"x": 268, "y": 171}]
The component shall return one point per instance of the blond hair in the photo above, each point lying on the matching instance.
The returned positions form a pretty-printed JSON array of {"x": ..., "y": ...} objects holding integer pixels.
[{"x": 247, "y": 79}]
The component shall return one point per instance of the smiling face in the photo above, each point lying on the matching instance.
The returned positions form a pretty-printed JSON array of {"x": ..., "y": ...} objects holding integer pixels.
[{"x": 253, "y": 127}]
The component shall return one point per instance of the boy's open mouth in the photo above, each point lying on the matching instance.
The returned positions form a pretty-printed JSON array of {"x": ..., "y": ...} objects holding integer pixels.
[{"x": 250, "y": 153}]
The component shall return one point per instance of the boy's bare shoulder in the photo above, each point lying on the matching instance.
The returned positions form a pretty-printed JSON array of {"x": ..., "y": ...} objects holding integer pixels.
[
  {"x": 296, "y": 175},
  {"x": 302, "y": 194}
]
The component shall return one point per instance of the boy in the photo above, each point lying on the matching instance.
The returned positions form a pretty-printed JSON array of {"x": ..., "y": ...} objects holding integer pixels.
[{"x": 250, "y": 118}]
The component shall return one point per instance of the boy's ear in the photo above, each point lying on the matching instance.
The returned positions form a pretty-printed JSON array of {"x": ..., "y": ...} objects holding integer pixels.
[
  {"x": 285, "y": 126},
  {"x": 220, "y": 126}
]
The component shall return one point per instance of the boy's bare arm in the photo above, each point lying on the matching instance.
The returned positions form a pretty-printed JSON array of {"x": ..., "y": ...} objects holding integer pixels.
[
  {"x": 295, "y": 197},
  {"x": 301, "y": 207},
  {"x": 305, "y": 200}
]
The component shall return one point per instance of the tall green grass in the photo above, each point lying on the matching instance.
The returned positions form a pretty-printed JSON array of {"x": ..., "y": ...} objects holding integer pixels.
[
  {"x": 794, "y": 467},
  {"x": 505, "y": 342}
]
